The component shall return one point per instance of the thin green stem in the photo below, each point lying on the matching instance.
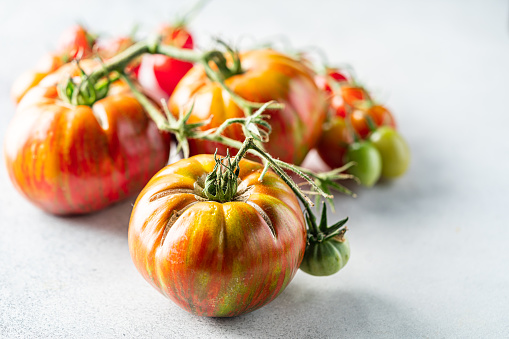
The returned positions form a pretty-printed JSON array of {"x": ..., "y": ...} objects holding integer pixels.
[{"x": 152, "y": 110}]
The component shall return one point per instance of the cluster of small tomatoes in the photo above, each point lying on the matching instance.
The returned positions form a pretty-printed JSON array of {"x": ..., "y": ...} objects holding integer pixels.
[
  {"x": 77, "y": 145},
  {"x": 361, "y": 131}
]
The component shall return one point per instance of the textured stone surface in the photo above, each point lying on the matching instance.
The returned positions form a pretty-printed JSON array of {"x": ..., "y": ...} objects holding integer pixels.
[{"x": 429, "y": 251}]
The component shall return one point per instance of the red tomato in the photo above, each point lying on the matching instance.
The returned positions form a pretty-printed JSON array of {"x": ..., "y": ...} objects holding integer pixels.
[
  {"x": 267, "y": 75},
  {"x": 217, "y": 259},
  {"x": 159, "y": 74},
  {"x": 353, "y": 104},
  {"x": 379, "y": 115},
  {"x": 323, "y": 81},
  {"x": 76, "y": 159},
  {"x": 334, "y": 142},
  {"x": 75, "y": 42}
]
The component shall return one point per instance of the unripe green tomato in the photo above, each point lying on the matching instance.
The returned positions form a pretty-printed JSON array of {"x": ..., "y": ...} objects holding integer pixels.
[
  {"x": 368, "y": 161},
  {"x": 327, "y": 257},
  {"x": 393, "y": 149}
]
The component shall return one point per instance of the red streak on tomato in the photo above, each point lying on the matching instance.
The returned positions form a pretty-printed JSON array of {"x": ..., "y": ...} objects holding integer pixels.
[
  {"x": 77, "y": 159},
  {"x": 216, "y": 259}
]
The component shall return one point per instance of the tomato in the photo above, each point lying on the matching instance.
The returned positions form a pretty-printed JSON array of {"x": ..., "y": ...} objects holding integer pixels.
[
  {"x": 393, "y": 149},
  {"x": 326, "y": 257},
  {"x": 75, "y": 42},
  {"x": 354, "y": 105},
  {"x": 267, "y": 75},
  {"x": 323, "y": 81},
  {"x": 159, "y": 74},
  {"x": 217, "y": 259},
  {"x": 379, "y": 115},
  {"x": 76, "y": 159},
  {"x": 368, "y": 161},
  {"x": 109, "y": 47},
  {"x": 334, "y": 142}
]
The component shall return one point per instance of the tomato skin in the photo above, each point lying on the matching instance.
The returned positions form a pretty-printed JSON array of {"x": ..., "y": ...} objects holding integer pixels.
[
  {"x": 75, "y": 42},
  {"x": 268, "y": 75},
  {"x": 216, "y": 259},
  {"x": 327, "y": 257},
  {"x": 159, "y": 74},
  {"x": 394, "y": 151},
  {"x": 29, "y": 79},
  {"x": 368, "y": 161},
  {"x": 66, "y": 160},
  {"x": 379, "y": 115},
  {"x": 334, "y": 142}
]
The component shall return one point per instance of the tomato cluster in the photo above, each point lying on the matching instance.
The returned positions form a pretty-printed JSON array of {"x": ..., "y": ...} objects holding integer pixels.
[
  {"x": 359, "y": 130},
  {"x": 220, "y": 236}
]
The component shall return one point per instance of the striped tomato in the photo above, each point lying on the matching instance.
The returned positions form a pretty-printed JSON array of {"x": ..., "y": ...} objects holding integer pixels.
[
  {"x": 266, "y": 75},
  {"x": 217, "y": 259},
  {"x": 70, "y": 159}
]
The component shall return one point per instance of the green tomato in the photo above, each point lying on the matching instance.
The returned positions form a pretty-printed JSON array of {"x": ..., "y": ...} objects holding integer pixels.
[
  {"x": 326, "y": 257},
  {"x": 393, "y": 149},
  {"x": 368, "y": 161}
]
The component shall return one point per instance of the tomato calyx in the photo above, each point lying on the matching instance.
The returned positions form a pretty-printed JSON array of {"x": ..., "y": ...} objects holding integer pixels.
[
  {"x": 221, "y": 184},
  {"x": 219, "y": 59},
  {"x": 83, "y": 90},
  {"x": 318, "y": 233}
]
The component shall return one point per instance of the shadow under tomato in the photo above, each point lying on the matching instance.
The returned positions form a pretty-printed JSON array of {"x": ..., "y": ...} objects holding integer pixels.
[
  {"x": 302, "y": 311},
  {"x": 114, "y": 219}
]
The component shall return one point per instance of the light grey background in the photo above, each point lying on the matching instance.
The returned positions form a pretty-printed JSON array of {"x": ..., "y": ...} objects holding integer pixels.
[{"x": 430, "y": 251}]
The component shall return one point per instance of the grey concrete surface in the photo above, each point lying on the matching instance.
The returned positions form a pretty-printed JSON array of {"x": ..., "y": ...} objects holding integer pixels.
[{"x": 429, "y": 251}]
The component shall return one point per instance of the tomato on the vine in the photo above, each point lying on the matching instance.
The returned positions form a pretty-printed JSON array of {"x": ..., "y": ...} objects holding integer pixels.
[
  {"x": 70, "y": 159},
  {"x": 368, "y": 162},
  {"x": 217, "y": 259},
  {"x": 326, "y": 257},
  {"x": 75, "y": 42},
  {"x": 266, "y": 75},
  {"x": 334, "y": 142},
  {"x": 159, "y": 74},
  {"x": 393, "y": 149},
  {"x": 376, "y": 115}
]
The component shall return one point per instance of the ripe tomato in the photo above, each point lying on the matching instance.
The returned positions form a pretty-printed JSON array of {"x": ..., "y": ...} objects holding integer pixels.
[
  {"x": 368, "y": 161},
  {"x": 159, "y": 74},
  {"x": 323, "y": 81},
  {"x": 379, "y": 115},
  {"x": 334, "y": 142},
  {"x": 267, "y": 75},
  {"x": 393, "y": 149},
  {"x": 327, "y": 257},
  {"x": 75, "y": 159},
  {"x": 48, "y": 64},
  {"x": 217, "y": 259},
  {"x": 74, "y": 42},
  {"x": 109, "y": 47}
]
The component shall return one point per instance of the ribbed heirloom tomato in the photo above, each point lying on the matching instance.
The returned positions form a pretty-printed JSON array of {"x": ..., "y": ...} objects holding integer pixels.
[
  {"x": 266, "y": 75},
  {"x": 217, "y": 259},
  {"x": 71, "y": 159}
]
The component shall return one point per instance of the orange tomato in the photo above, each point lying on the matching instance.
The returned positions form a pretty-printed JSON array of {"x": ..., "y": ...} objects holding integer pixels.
[
  {"x": 267, "y": 75},
  {"x": 217, "y": 259},
  {"x": 76, "y": 159}
]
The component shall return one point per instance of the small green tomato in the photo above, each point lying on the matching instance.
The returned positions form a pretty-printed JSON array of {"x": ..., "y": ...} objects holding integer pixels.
[
  {"x": 368, "y": 161},
  {"x": 393, "y": 149},
  {"x": 326, "y": 257}
]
